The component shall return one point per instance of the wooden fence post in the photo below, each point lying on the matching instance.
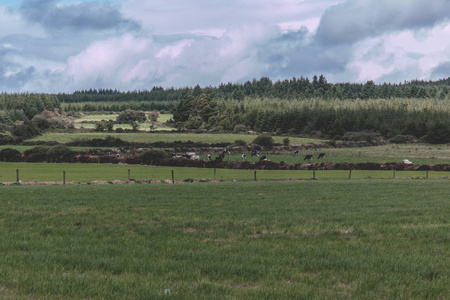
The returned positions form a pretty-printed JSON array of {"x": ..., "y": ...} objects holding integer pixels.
[
  {"x": 64, "y": 177},
  {"x": 427, "y": 174},
  {"x": 214, "y": 174},
  {"x": 129, "y": 175},
  {"x": 17, "y": 175},
  {"x": 393, "y": 176},
  {"x": 173, "y": 177},
  {"x": 314, "y": 173},
  {"x": 350, "y": 174},
  {"x": 254, "y": 175}
]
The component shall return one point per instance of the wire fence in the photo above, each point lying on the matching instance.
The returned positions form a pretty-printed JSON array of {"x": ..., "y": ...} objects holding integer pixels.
[{"x": 65, "y": 173}]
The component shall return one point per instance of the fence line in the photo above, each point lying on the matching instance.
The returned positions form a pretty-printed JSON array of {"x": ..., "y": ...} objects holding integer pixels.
[{"x": 266, "y": 175}]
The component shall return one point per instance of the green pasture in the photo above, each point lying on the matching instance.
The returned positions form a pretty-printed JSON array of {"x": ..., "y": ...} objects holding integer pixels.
[
  {"x": 142, "y": 127},
  {"x": 331, "y": 157},
  {"x": 362, "y": 239},
  {"x": 145, "y": 137},
  {"x": 99, "y": 117},
  {"x": 110, "y": 172},
  {"x": 96, "y": 118}
]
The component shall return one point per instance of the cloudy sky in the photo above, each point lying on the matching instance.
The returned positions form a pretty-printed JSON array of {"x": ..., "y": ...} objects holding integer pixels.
[{"x": 67, "y": 45}]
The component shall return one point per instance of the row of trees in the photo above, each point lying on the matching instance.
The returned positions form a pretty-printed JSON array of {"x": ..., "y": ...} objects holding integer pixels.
[{"x": 295, "y": 88}]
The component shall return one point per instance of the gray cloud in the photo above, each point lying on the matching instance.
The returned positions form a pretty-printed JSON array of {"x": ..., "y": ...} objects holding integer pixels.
[
  {"x": 291, "y": 54},
  {"x": 441, "y": 71},
  {"x": 355, "y": 20},
  {"x": 79, "y": 16}
]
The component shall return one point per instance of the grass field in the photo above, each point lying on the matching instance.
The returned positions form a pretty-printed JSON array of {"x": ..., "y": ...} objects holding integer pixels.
[
  {"x": 166, "y": 137},
  {"x": 108, "y": 172},
  {"x": 88, "y": 121},
  {"x": 363, "y": 239}
]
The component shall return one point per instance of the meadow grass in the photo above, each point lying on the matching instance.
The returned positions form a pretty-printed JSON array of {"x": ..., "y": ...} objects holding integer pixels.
[
  {"x": 109, "y": 172},
  {"x": 145, "y": 137},
  {"x": 342, "y": 239},
  {"x": 336, "y": 157}
]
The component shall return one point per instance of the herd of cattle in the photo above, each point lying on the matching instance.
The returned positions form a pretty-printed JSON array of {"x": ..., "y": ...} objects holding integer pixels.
[{"x": 221, "y": 156}]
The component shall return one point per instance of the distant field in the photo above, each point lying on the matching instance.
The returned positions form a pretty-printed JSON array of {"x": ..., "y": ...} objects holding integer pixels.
[
  {"x": 361, "y": 239},
  {"x": 109, "y": 172},
  {"x": 81, "y": 122},
  {"x": 166, "y": 137}
]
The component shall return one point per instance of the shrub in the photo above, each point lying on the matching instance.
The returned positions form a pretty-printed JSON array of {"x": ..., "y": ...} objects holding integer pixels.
[
  {"x": 129, "y": 116},
  {"x": 403, "y": 139},
  {"x": 36, "y": 154},
  {"x": 240, "y": 143},
  {"x": 148, "y": 156},
  {"x": 240, "y": 128},
  {"x": 264, "y": 141},
  {"x": 60, "y": 153},
  {"x": 361, "y": 136},
  {"x": 25, "y": 130},
  {"x": 10, "y": 155}
]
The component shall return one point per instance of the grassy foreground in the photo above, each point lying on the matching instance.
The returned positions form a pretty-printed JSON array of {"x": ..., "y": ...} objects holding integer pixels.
[{"x": 256, "y": 240}]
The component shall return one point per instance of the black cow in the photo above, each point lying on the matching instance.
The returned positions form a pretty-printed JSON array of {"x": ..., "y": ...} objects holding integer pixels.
[
  {"x": 255, "y": 153},
  {"x": 321, "y": 155},
  {"x": 308, "y": 157},
  {"x": 296, "y": 153},
  {"x": 264, "y": 158}
]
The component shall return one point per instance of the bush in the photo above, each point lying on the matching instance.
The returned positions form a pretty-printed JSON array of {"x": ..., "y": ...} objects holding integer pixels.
[
  {"x": 10, "y": 155},
  {"x": 36, "y": 154},
  {"x": 9, "y": 140},
  {"x": 403, "y": 139},
  {"x": 129, "y": 116},
  {"x": 264, "y": 141},
  {"x": 60, "y": 153},
  {"x": 25, "y": 130},
  {"x": 148, "y": 156},
  {"x": 240, "y": 143},
  {"x": 361, "y": 136},
  {"x": 239, "y": 128}
]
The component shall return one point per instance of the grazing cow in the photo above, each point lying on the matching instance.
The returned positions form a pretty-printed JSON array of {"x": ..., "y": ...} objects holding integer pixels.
[
  {"x": 227, "y": 151},
  {"x": 321, "y": 155},
  {"x": 244, "y": 157},
  {"x": 264, "y": 158},
  {"x": 209, "y": 156},
  {"x": 255, "y": 153},
  {"x": 308, "y": 157},
  {"x": 296, "y": 152}
]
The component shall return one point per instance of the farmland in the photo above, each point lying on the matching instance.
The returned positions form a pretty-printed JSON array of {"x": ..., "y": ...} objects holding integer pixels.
[
  {"x": 365, "y": 239},
  {"x": 141, "y": 137}
]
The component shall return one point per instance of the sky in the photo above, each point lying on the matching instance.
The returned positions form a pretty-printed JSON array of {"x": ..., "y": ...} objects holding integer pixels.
[{"x": 54, "y": 46}]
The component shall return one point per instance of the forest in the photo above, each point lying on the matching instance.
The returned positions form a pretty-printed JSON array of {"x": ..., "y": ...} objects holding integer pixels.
[{"x": 419, "y": 109}]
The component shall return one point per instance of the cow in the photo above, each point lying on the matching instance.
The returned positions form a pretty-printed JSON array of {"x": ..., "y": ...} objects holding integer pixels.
[
  {"x": 255, "y": 153},
  {"x": 296, "y": 152},
  {"x": 209, "y": 156},
  {"x": 308, "y": 157},
  {"x": 264, "y": 158},
  {"x": 321, "y": 155},
  {"x": 244, "y": 157}
]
